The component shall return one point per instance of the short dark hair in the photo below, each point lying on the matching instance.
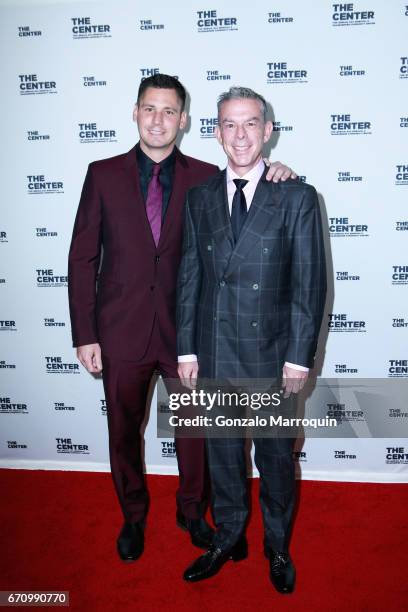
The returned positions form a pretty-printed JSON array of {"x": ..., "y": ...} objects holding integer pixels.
[
  {"x": 163, "y": 81},
  {"x": 237, "y": 93}
]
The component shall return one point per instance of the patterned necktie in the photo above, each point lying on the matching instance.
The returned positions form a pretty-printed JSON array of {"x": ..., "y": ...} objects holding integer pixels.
[
  {"x": 154, "y": 203},
  {"x": 239, "y": 208}
]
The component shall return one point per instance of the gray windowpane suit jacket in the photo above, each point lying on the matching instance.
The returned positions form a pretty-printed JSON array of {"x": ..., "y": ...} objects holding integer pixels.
[{"x": 246, "y": 308}]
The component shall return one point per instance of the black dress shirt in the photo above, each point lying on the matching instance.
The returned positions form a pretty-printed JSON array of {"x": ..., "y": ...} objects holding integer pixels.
[{"x": 146, "y": 164}]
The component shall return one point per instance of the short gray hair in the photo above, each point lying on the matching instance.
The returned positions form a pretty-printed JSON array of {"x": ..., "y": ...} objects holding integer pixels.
[{"x": 237, "y": 93}]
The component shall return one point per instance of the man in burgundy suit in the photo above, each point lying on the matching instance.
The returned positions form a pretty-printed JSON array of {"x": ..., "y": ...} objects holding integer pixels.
[{"x": 131, "y": 205}]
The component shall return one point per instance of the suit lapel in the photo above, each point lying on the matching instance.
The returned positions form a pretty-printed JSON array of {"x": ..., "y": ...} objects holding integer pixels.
[
  {"x": 137, "y": 209},
  {"x": 218, "y": 214},
  {"x": 177, "y": 197},
  {"x": 266, "y": 199}
]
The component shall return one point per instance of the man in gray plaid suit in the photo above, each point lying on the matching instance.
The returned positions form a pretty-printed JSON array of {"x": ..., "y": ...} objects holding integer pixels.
[{"x": 251, "y": 294}]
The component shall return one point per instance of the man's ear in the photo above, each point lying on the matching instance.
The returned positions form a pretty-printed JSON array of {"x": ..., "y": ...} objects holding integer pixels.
[
  {"x": 218, "y": 134},
  {"x": 183, "y": 120},
  {"x": 135, "y": 111},
  {"x": 268, "y": 130}
]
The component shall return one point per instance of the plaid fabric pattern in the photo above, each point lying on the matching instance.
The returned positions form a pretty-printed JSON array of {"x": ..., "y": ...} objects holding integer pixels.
[
  {"x": 248, "y": 307},
  {"x": 228, "y": 472}
]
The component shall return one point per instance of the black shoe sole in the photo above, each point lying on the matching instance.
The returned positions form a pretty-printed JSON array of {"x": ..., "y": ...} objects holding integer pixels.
[
  {"x": 235, "y": 558},
  {"x": 283, "y": 592},
  {"x": 289, "y": 591},
  {"x": 131, "y": 559}
]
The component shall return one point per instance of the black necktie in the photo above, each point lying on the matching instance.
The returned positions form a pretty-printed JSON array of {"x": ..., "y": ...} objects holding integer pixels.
[{"x": 239, "y": 208}]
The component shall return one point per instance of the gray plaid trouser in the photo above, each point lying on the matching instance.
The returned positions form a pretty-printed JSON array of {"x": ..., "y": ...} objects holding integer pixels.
[{"x": 227, "y": 467}]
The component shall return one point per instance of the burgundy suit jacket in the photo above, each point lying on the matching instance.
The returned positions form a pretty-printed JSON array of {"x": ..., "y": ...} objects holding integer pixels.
[{"x": 137, "y": 281}]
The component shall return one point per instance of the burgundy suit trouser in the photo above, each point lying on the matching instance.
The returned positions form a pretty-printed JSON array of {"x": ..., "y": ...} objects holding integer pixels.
[{"x": 126, "y": 386}]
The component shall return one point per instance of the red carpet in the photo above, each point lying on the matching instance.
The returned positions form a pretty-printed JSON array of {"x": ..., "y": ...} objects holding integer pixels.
[{"x": 59, "y": 529}]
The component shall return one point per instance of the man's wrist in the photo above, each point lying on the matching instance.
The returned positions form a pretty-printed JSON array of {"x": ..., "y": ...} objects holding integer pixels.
[
  {"x": 186, "y": 358},
  {"x": 295, "y": 366}
]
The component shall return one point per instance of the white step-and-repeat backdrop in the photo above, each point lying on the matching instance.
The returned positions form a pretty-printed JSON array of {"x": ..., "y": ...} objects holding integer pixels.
[{"x": 336, "y": 76}]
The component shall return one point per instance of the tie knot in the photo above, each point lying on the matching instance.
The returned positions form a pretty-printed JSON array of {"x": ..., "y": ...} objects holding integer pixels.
[
  {"x": 240, "y": 183},
  {"x": 156, "y": 169}
]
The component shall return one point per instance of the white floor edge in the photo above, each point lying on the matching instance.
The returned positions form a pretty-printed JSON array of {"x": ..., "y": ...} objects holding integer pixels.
[{"x": 77, "y": 466}]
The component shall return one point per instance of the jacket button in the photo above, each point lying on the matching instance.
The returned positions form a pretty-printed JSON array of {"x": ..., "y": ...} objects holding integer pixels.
[
  {"x": 151, "y": 287},
  {"x": 222, "y": 283},
  {"x": 254, "y": 323},
  {"x": 209, "y": 247},
  {"x": 265, "y": 250},
  {"x": 157, "y": 258},
  {"x": 255, "y": 286}
]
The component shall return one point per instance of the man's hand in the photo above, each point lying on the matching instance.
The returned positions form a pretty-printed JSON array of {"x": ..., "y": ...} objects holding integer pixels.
[
  {"x": 278, "y": 172},
  {"x": 187, "y": 371},
  {"x": 90, "y": 357},
  {"x": 293, "y": 380}
]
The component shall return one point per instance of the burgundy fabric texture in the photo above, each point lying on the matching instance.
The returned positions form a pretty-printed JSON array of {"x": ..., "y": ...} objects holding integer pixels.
[
  {"x": 132, "y": 313},
  {"x": 137, "y": 280},
  {"x": 126, "y": 389}
]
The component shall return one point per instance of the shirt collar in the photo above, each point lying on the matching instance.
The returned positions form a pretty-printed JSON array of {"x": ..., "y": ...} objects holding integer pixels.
[
  {"x": 146, "y": 163},
  {"x": 253, "y": 175}
]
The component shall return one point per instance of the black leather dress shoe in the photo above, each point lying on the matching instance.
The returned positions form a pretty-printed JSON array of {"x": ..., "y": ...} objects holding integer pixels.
[
  {"x": 200, "y": 531},
  {"x": 130, "y": 542},
  {"x": 281, "y": 570},
  {"x": 212, "y": 561}
]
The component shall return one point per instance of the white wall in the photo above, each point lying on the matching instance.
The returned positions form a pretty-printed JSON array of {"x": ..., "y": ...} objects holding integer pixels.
[{"x": 310, "y": 40}]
